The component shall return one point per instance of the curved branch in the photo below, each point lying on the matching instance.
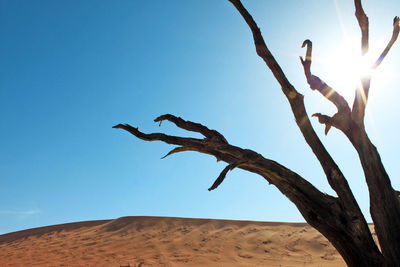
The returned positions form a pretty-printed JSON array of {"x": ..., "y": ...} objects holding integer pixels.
[
  {"x": 341, "y": 121},
  {"x": 222, "y": 175},
  {"x": 395, "y": 34},
  {"x": 317, "y": 84},
  {"x": 169, "y": 139},
  {"x": 324, "y": 119},
  {"x": 307, "y": 43},
  {"x": 177, "y": 150},
  {"x": 246, "y": 159},
  {"x": 191, "y": 126}
]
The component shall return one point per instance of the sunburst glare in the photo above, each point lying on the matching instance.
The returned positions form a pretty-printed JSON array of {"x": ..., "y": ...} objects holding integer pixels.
[{"x": 344, "y": 66}]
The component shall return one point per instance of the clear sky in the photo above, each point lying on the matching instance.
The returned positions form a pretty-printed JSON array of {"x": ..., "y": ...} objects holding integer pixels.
[{"x": 70, "y": 70}]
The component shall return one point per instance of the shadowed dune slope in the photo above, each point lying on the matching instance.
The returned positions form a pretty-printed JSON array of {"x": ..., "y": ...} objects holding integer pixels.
[{"x": 164, "y": 241}]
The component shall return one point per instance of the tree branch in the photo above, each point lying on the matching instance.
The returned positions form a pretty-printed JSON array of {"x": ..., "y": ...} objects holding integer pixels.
[
  {"x": 395, "y": 34},
  {"x": 362, "y": 91},
  {"x": 361, "y": 97},
  {"x": 317, "y": 84},
  {"x": 360, "y": 101},
  {"x": 384, "y": 205},
  {"x": 222, "y": 175},
  {"x": 177, "y": 150},
  {"x": 184, "y": 143},
  {"x": 335, "y": 177},
  {"x": 246, "y": 159},
  {"x": 326, "y": 213},
  {"x": 191, "y": 126},
  {"x": 263, "y": 51},
  {"x": 364, "y": 26}
]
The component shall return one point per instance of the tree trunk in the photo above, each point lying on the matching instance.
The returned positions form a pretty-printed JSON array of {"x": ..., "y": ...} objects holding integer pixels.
[{"x": 384, "y": 202}]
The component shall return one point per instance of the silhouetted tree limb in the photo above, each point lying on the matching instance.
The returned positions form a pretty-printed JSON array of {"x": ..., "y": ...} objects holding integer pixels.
[
  {"x": 339, "y": 120},
  {"x": 362, "y": 92},
  {"x": 328, "y": 214},
  {"x": 395, "y": 34},
  {"x": 222, "y": 175},
  {"x": 384, "y": 205},
  {"x": 332, "y": 171},
  {"x": 317, "y": 84},
  {"x": 360, "y": 100},
  {"x": 339, "y": 218},
  {"x": 364, "y": 25},
  {"x": 177, "y": 150},
  {"x": 193, "y": 127},
  {"x": 246, "y": 159}
]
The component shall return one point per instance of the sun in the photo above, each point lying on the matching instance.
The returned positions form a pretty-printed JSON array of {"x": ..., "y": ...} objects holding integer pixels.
[{"x": 344, "y": 66}]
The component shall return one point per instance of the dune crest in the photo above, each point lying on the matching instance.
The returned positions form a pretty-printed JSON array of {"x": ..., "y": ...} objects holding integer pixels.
[{"x": 165, "y": 241}]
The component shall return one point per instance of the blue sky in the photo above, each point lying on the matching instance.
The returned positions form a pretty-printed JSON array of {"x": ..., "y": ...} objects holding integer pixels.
[{"x": 70, "y": 70}]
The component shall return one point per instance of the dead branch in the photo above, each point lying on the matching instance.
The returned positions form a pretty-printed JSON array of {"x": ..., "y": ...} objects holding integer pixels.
[
  {"x": 334, "y": 175},
  {"x": 360, "y": 101},
  {"x": 222, "y": 175},
  {"x": 245, "y": 159},
  {"x": 396, "y": 29},
  {"x": 362, "y": 91},
  {"x": 328, "y": 214},
  {"x": 191, "y": 126},
  {"x": 317, "y": 84},
  {"x": 364, "y": 25},
  {"x": 384, "y": 205}
]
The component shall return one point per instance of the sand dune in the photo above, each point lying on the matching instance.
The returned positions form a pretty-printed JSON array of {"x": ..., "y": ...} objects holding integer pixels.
[{"x": 160, "y": 241}]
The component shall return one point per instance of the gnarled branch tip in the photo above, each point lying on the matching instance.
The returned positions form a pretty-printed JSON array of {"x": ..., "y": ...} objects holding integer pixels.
[
  {"x": 222, "y": 175},
  {"x": 307, "y": 43},
  {"x": 324, "y": 119},
  {"x": 176, "y": 150}
]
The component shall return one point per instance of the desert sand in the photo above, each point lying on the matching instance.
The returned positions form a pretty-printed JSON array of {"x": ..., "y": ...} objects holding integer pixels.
[{"x": 163, "y": 241}]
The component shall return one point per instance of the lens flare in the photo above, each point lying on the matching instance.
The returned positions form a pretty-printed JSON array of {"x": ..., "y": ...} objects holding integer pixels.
[{"x": 344, "y": 67}]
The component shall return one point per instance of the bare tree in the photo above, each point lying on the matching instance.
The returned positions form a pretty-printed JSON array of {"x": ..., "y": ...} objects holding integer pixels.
[{"x": 338, "y": 218}]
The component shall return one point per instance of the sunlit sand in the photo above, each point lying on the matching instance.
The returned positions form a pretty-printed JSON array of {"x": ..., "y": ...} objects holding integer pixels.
[{"x": 159, "y": 241}]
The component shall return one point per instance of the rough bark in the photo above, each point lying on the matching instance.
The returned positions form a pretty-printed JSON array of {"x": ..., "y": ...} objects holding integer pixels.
[
  {"x": 384, "y": 202},
  {"x": 339, "y": 218}
]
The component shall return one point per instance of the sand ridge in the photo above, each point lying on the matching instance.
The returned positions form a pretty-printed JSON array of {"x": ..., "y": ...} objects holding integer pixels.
[{"x": 166, "y": 241}]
